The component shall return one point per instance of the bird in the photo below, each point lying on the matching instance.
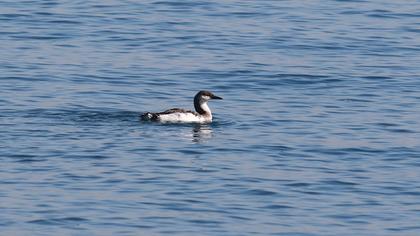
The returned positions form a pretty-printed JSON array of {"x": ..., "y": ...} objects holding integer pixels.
[{"x": 202, "y": 113}]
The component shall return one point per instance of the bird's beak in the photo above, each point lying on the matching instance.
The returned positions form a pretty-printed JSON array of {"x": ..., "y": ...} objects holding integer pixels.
[{"x": 216, "y": 97}]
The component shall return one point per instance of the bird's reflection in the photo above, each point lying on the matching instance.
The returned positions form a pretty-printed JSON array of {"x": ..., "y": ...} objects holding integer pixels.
[{"x": 201, "y": 133}]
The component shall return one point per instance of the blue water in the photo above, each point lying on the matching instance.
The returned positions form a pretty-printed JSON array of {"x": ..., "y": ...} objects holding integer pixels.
[{"x": 318, "y": 132}]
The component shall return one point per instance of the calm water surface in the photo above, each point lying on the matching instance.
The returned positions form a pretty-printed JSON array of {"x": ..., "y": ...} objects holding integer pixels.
[{"x": 318, "y": 132}]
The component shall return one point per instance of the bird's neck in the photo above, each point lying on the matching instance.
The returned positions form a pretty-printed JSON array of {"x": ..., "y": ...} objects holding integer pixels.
[{"x": 202, "y": 108}]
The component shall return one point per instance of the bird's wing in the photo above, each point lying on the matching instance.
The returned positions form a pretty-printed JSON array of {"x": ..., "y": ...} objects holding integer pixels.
[{"x": 175, "y": 110}]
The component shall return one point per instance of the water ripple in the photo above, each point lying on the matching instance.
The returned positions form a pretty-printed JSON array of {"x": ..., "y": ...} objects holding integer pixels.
[{"x": 318, "y": 132}]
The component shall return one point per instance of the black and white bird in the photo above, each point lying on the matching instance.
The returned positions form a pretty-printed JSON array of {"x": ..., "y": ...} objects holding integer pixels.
[{"x": 202, "y": 112}]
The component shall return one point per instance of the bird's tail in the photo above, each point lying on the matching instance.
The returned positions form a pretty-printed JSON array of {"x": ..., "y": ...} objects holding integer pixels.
[{"x": 149, "y": 116}]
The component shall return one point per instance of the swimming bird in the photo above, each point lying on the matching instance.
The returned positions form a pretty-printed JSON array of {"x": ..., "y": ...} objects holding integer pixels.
[{"x": 202, "y": 112}]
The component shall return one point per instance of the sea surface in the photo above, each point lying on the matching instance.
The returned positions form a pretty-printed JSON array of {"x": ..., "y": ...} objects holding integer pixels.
[{"x": 318, "y": 133}]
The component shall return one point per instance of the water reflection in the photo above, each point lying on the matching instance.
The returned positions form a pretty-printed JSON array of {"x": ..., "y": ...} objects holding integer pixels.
[{"x": 201, "y": 133}]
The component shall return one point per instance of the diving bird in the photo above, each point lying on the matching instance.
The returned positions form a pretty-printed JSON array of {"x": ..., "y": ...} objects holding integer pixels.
[{"x": 202, "y": 112}]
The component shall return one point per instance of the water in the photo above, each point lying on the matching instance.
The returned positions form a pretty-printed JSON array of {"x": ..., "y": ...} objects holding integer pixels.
[{"x": 318, "y": 132}]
